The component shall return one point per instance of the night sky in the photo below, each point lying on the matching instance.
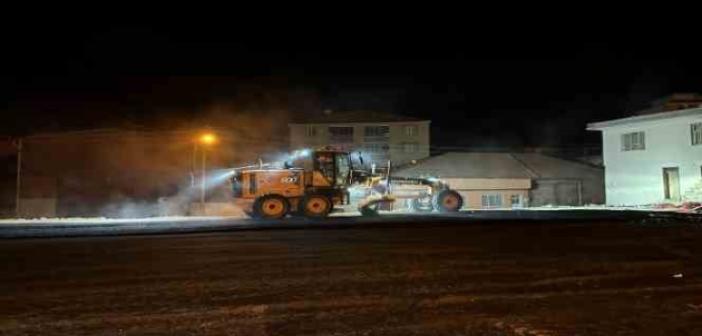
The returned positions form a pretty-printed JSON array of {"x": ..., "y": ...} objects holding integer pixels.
[{"x": 480, "y": 85}]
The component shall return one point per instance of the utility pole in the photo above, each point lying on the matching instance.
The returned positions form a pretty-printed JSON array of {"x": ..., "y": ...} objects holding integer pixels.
[
  {"x": 193, "y": 167},
  {"x": 204, "y": 181},
  {"x": 207, "y": 140},
  {"x": 19, "y": 178}
]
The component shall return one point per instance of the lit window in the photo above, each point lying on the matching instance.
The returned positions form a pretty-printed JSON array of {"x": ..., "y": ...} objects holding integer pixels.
[
  {"x": 696, "y": 133},
  {"x": 491, "y": 201},
  {"x": 311, "y": 131},
  {"x": 411, "y": 130},
  {"x": 410, "y": 147},
  {"x": 633, "y": 141}
]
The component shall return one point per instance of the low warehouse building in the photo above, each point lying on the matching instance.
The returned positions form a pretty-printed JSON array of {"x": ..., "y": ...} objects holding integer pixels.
[{"x": 511, "y": 180}]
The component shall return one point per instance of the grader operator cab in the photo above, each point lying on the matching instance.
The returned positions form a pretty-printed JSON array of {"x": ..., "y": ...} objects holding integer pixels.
[{"x": 311, "y": 183}]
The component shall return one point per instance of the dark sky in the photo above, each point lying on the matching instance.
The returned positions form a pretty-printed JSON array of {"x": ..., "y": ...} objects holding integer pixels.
[{"x": 478, "y": 83}]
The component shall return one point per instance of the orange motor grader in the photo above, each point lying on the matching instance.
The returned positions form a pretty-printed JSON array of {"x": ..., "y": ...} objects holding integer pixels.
[{"x": 311, "y": 183}]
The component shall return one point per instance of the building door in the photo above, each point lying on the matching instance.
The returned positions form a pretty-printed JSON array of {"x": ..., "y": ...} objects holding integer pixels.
[{"x": 671, "y": 183}]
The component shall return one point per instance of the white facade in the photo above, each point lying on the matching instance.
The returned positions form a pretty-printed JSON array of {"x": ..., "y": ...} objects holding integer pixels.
[{"x": 668, "y": 169}]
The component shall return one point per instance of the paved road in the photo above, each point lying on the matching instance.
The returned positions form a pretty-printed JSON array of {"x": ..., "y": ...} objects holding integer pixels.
[
  {"x": 162, "y": 225},
  {"x": 432, "y": 278}
]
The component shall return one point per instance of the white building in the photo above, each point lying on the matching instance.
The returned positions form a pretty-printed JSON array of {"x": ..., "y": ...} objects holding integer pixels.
[
  {"x": 378, "y": 136},
  {"x": 653, "y": 158}
]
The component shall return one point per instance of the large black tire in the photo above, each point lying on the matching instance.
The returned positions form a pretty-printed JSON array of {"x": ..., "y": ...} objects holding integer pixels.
[
  {"x": 271, "y": 207},
  {"x": 448, "y": 201},
  {"x": 316, "y": 206}
]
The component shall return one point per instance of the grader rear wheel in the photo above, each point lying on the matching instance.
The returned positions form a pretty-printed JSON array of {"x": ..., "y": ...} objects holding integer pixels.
[
  {"x": 316, "y": 206},
  {"x": 271, "y": 207}
]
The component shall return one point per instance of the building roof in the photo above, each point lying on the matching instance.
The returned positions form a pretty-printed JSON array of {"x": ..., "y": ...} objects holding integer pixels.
[
  {"x": 597, "y": 126},
  {"x": 467, "y": 165},
  {"x": 675, "y": 101},
  {"x": 350, "y": 117},
  {"x": 549, "y": 167},
  {"x": 497, "y": 165}
]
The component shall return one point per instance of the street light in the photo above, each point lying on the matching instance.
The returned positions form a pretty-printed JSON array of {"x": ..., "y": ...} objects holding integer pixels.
[{"x": 206, "y": 140}]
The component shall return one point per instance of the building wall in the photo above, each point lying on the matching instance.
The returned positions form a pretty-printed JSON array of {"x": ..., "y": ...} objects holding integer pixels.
[
  {"x": 395, "y": 142},
  {"x": 636, "y": 177},
  {"x": 472, "y": 199},
  {"x": 473, "y": 189},
  {"x": 564, "y": 192}
]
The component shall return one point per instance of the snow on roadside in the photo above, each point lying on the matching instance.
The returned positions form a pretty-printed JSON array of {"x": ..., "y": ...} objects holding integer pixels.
[{"x": 105, "y": 220}]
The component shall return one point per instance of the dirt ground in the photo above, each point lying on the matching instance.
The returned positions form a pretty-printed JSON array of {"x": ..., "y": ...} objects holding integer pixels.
[{"x": 430, "y": 279}]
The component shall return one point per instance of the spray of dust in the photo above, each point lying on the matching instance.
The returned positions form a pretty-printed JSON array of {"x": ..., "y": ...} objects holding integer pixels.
[
  {"x": 243, "y": 137},
  {"x": 152, "y": 170}
]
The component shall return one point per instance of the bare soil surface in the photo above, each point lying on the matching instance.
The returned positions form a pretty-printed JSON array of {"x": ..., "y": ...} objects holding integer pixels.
[{"x": 557, "y": 278}]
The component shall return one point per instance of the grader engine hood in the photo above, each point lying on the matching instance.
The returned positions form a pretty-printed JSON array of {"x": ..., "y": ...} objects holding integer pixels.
[{"x": 285, "y": 182}]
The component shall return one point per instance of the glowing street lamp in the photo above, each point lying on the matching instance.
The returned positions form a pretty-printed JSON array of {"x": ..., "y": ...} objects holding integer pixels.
[{"x": 206, "y": 140}]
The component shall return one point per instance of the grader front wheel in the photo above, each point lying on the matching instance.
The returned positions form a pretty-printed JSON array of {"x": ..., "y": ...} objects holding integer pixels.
[{"x": 448, "y": 201}]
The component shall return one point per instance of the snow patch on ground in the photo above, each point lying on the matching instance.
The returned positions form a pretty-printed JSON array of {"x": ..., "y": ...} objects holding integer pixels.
[
  {"x": 345, "y": 213},
  {"x": 105, "y": 220}
]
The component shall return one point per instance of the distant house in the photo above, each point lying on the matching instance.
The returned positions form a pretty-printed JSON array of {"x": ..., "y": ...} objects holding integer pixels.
[
  {"x": 512, "y": 180},
  {"x": 656, "y": 155},
  {"x": 95, "y": 172},
  {"x": 378, "y": 136}
]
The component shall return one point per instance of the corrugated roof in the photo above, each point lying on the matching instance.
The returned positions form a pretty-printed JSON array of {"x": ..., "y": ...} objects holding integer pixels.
[
  {"x": 497, "y": 165},
  {"x": 331, "y": 117},
  {"x": 545, "y": 166},
  {"x": 467, "y": 165}
]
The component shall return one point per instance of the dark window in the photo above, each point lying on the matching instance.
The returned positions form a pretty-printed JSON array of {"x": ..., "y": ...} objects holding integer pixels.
[
  {"x": 376, "y": 131},
  {"x": 516, "y": 200},
  {"x": 633, "y": 141},
  {"x": 341, "y": 134},
  {"x": 696, "y": 133},
  {"x": 377, "y": 147},
  {"x": 311, "y": 131}
]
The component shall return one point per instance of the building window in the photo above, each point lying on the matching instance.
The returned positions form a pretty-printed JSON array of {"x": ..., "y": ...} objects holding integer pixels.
[
  {"x": 311, "y": 131},
  {"x": 491, "y": 201},
  {"x": 377, "y": 147},
  {"x": 411, "y": 130},
  {"x": 515, "y": 201},
  {"x": 410, "y": 147},
  {"x": 696, "y": 133},
  {"x": 340, "y": 134},
  {"x": 376, "y": 131},
  {"x": 633, "y": 141}
]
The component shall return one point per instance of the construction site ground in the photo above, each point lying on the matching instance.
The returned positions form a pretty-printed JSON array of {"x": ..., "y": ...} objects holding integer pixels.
[{"x": 431, "y": 277}]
